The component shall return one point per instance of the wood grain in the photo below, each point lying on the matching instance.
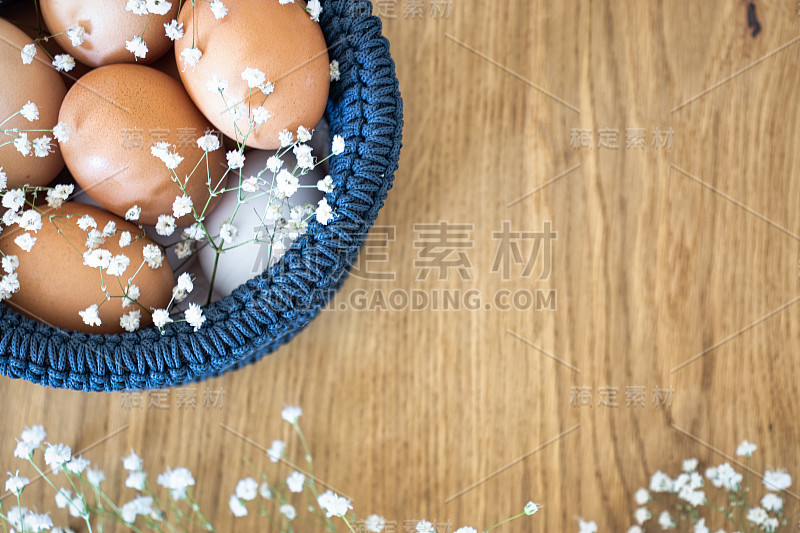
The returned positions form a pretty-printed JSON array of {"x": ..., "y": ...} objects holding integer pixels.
[{"x": 661, "y": 255}]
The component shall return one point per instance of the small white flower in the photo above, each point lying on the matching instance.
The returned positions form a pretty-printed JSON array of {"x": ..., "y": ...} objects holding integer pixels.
[
  {"x": 285, "y": 137},
  {"x": 124, "y": 239},
  {"x": 24, "y": 449},
  {"x": 250, "y": 184},
  {"x": 158, "y": 7},
  {"x": 15, "y": 483},
  {"x": 274, "y": 163},
  {"x": 295, "y": 482},
  {"x": 335, "y": 74},
  {"x": 95, "y": 477},
  {"x": 64, "y": 62},
  {"x": 97, "y": 258},
  {"x": 777, "y": 480},
  {"x": 137, "y": 7},
  {"x": 376, "y": 523},
  {"x": 30, "y": 220},
  {"x": 689, "y": 465},
  {"x": 14, "y": 199},
  {"x": 136, "y": 480},
  {"x": 10, "y": 263},
  {"x": 465, "y": 529},
  {"x": 586, "y": 527},
  {"x": 530, "y": 508},
  {"x": 190, "y": 57},
  {"x": 185, "y": 282},
  {"x": 642, "y": 496},
  {"x": 333, "y": 504},
  {"x": 133, "y": 213},
  {"x": 746, "y": 449},
  {"x": 291, "y": 413},
  {"x": 284, "y": 2},
  {"x": 228, "y": 232},
  {"x": 237, "y": 507},
  {"x": 87, "y": 221},
  {"x": 642, "y": 515},
  {"x": 56, "y": 196},
  {"x": 288, "y": 511},
  {"x": 265, "y": 491},
  {"x": 323, "y": 212},
  {"x": 90, "y": 315},
  {"x": 247, "y": 489},
  {"x": 276, "y": 451},
  {"x": 235, "y": 159},
  {"x": 701, "y": 527},
  {"x": 770, "y": 524},
  {"x": 161, "y": 318},
  {"x": 337, "y": 146},
  {"x": 3, "y": 179},
  {"x": 131, "y": 295},
  {"x": 253, "y": 77},
  {"x": 132, "y": 462},
  {"x": 173, "y": 30},
  {"x": 665, "y": 520},
  {"x": 302, "y": 152},
  {"x": 219, "y": 9},
  {"x": 76, "y": 465},
  {"x": 423, "y": 526},
  {"x": 208, "y": 142},
  {"x": 286, "y": 183},
  {"x": 76, "y": 35},
  {"x": 30, "y": 111},
  {"x": 303, "y": 135},
  {"x": 314, "y": 9},
  {"x": 110, "y": 229},
  {"x": 9, "y": 284},
  {"x": 757, "y": 515},
  {"x": 326, "y": 184},
  {"x": 28, "y": 52},
  {"x": 194, "y": 316},
  {"x": 165, "y": 225},
  {"x": 660, "y": 482},
  {"x": 57, "y": 455},
  {"x": 118, "y": 265},
  {"x": 177, "y": 481},
  {"x": 25, "y": 241},
  {"x": 217, "y": 84},
  {"x": 22, "y": 144},
  {"x": 181, "y": 206},
  {"x": 130, "y": 321},
  {"x": 772, "y": 502},
  {"x": 41, "y": 146},
  {"x": 635, "y": 529},
  {"x": 33, "y": 435},
  {"x": 261, "y": 115},
  {"x": 267, "y": 88},
  {"x": 94, "y": 239},
  {"x": 194, "y": 232},
  {"x": 61, "y": 132}
]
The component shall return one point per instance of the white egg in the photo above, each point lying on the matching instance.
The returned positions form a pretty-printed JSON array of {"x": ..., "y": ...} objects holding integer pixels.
[{"x": 248, "y": 259}]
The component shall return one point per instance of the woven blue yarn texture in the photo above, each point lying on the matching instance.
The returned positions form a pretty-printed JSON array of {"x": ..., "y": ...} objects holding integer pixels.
[{"x": 269, "y": 310}]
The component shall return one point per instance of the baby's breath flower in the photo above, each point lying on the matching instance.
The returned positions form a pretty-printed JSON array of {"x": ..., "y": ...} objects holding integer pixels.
[
  {"x": 8, "y": 285},
  {"x": 10, "y": 263},
  {"x": 642, "y": 515},
  {"x": 276, "y": 451},
  {"x": 333, "y": 504},
  {"x": 302, "y": 152},
  {"x": 158, "y": 7},
  {"x": 285, "y": 137},
  {"x": 76, "y": 35},
  {"x": 303, "y": 135},
  {"x": 16, "y": 483},
  {"x": 337, "y": 146},
  {"x": 190, "y": 57},
  {"x": 64, "y": 62},
  {"x": 118, "y": 265},
  {"x": 376, "y": 523},
  {"x": 314, "y": 9},
  {"x": 173, "y": 30},
  {"x": 295, "y": 482},
  {"x": 25, "y": 241},
  {"x": 165, "y": 225},
  {"x": 30, "y": 111},
  {"x": 246, "y": 489},
  {"x": 61, "y": 132},
  {"x": 323, "y": 212},
  {"x": 423, "y": 526},
  {"x": 141, "y": 505},
  {"x": 217, "y": 84},
  {"x": 701, "y": 527},
  {"x": 237, "y": 507},
  {"x": 97, "y": 258},
  {"x": 24, "y": 449},
  {"x": 14, "y": 199},
  {"x": 253, "y": 77},
  {"x": 177, "y": 481},
  {"x": 110, "y": 229},
  {"x": 131, "y": 294},
  {"x": 57, "y": 455},
  {"x": 161, "y": 318},
  {"x": 56, "y": 196},
  {"x": 238, "y": 111},
  {"x": 22, "y": 144},
  {"x": 218, "y": 9},
  {"x": 335, "y": 74},
  {"x": 291, "y": 413},
  {"x": 181, "y": 206},
  {"x": 76, "y": 465},
  {"x": 641, "y": 496},
  {"x": 746, "y": 449},
  {"x": 267, "y": 88},
  {"x": 152, "y": 255},
  {"x": 325, "y": 184},
  {"x": 284, "y": 2},
  {"x": 286, "y": 183},
  {"x": 689, "y": 465},
  {"x": 772, "y": 502},
  {"x": 27, "y": 53},
  {"x": 757, "y": 515},
  {"x": 235, "y": 159},
  {"x": 3, "y": 179},
  {"x": 137, "y": 7},
  {"x": 208, "y": 142},
  {"x": 41, "y": 146},
  {"x": 586, "y": 527},
  {"x": 124, "y": 239},
  {"x": 228, "y": 232},
  {"x": 30, "y": 220},
  {"x": 250, "y": 184},
  {"x": 531, "y": 508},
  {"x": 137, "y": 47},
  {"x": 288, "y": 511},
  {"x": 265, "y": 491},
  {"x": 133, "y": 213},
  {"x": 95, "y": 477},
  {"x": 635, "y": 529},
  {"x": 274, "y": 163},
  {"x": 194, "y": 232},
  {"x": 261, "y": 115},
  {"x": 33, "y": 435},
  {"x": 90, "y": 315},
  {"x": 665, "y": 520},
  {"x": 136, "y": 480},
  {"x": 194, "y": 316},
  {"x": 777, "y": 480},
  {"x": 465, "y": 529},
  {"x": 183, "y": 250},
  {"x": 87, "y": 221}
]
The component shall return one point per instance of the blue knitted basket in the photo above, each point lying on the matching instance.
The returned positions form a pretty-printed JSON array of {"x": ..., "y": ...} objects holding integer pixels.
[{"x": 269, "y": 310}]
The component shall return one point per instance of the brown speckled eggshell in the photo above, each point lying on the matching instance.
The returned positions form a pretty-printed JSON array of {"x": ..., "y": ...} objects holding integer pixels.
[
  {"x": 19, "y": 83},
  {"x": 108, "y": 25},
  {"x": 280, "y": 40},
  {"x": 55, "y": 284},
  {"x": 116, "y": 114}
]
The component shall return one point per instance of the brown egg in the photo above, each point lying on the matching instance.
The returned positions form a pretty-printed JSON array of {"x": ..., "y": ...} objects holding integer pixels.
[
  {"x": 116, "y": 114},
  {"x": 108, "y": 26},
  {"x": 281, "y": 41},
  {"x": 39, "y": 83},
  {"x": 55, "y": 284}
]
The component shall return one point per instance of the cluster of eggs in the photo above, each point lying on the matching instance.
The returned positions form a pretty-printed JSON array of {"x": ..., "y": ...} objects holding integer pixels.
[{"x": 156, "y": 98}]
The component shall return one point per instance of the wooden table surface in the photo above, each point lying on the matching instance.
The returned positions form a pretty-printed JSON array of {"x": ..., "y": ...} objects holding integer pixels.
[{"x": 658, "y": 142}]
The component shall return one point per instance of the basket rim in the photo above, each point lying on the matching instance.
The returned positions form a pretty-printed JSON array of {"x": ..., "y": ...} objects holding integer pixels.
[{"x": 365, "y": 107}]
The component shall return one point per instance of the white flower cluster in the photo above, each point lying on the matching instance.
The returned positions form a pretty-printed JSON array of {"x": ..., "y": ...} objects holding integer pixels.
[{"x": 40, "y": 146}]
